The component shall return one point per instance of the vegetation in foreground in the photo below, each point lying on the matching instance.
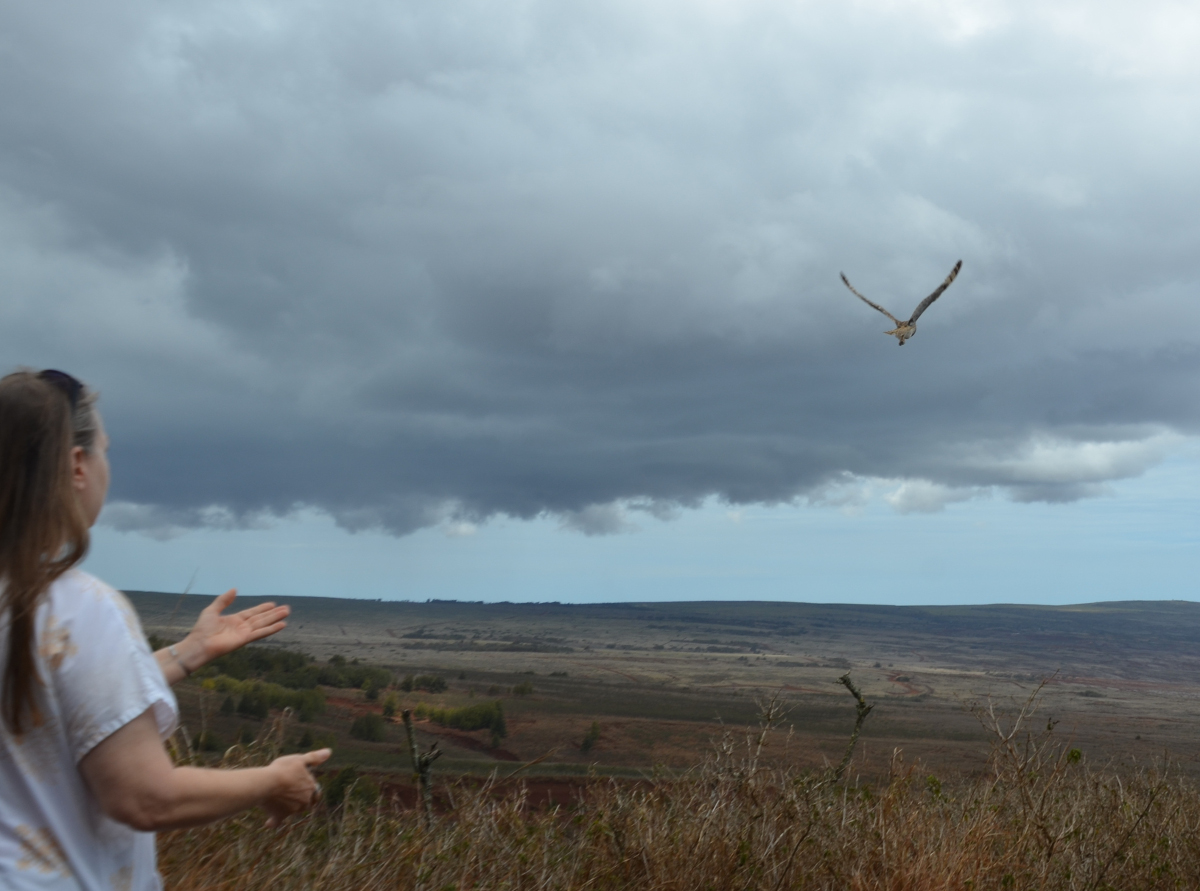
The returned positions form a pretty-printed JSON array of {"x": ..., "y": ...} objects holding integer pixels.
[{"x": 1040, "y": 817}]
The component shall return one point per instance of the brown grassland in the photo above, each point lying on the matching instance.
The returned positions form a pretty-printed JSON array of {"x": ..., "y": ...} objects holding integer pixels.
[{"x": 1083, "y": 782}]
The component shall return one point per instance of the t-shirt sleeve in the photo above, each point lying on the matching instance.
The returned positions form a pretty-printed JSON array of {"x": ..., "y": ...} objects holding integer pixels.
[{"x": 106, "y": 674}]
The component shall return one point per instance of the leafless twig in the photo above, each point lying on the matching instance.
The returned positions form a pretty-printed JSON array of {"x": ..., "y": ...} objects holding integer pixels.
[
  {"x": 422, "y": 763},
  {"x": 863, "y": 710}
]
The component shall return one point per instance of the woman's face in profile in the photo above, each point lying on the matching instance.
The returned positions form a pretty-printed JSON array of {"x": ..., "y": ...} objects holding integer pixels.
[{"x": 89, "y": 474}]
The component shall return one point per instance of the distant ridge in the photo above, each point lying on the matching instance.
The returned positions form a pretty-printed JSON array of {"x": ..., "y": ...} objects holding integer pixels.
[{"x": 1129, "y": 621}]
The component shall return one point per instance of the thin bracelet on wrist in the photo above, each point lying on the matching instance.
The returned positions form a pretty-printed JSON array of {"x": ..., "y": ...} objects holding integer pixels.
[{"x": 174, "y": 652}]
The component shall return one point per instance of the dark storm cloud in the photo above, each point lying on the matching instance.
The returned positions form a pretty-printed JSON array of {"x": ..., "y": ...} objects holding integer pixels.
[{"x": 415, "y": 263}]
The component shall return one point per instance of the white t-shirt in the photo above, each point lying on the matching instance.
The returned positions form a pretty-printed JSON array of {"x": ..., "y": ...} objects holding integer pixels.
[{"x": 98, "y": 674}]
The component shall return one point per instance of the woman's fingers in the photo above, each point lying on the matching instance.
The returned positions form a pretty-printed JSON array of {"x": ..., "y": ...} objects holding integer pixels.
[
  {"x": 251, "y": 611},
  {"x": 298, "y": 788},
  {"x": 259, "y": 618},
  {"x": 268, "y": 623},
  {"x": 264, "y": 619},
  {"x": 315, "y": 757},
  {"x": 266, "y": 632},
  {"x": 299, "y": 782},
  {"x": 221, "y": 603}
]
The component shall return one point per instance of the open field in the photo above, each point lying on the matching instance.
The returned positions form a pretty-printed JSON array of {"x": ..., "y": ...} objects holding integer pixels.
[
  {"x": 659, "y": 679},
  {"x": 1039, "y": 816}
]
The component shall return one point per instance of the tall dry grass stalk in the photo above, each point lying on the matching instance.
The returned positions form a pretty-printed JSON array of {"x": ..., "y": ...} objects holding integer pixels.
[{"x": 1040, "y": 817}]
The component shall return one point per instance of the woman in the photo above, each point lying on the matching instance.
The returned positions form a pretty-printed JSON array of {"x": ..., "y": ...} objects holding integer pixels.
[{"x": 84, "y": 705}]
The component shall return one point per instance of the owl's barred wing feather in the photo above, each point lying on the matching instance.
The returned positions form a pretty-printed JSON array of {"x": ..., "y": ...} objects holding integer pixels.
[
  {"x": 924, "y": 304},
  {"x": 876, "y": 305}
]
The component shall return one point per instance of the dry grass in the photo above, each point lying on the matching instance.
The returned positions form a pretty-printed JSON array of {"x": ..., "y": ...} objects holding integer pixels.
[{"x": 1041, "y": 817}]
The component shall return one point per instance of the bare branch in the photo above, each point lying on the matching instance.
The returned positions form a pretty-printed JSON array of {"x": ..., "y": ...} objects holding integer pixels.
[
  {"x": 422, "y": 763},
  {"x": 863, "y": 710}
]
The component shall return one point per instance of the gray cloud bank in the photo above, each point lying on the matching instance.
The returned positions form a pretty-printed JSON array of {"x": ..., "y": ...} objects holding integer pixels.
[{"x": 422, "y": 263}]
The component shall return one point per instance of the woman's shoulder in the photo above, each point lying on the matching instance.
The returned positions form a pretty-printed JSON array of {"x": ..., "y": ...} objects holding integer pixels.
[
  {"x": 76, "y": 582},
  {"x": 98, "y": 662},
  {"x": 78, "y": 596}
]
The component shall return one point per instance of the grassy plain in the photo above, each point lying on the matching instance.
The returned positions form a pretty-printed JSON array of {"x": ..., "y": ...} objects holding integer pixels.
[{"x": 661, "y": 679}]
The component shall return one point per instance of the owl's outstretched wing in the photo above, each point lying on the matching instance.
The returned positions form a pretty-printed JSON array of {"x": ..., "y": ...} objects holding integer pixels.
[
  {"x": 924, "y": 304},
  {"x": 869, "y": 303}
]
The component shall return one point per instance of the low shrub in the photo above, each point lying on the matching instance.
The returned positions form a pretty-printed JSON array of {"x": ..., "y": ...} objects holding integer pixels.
[
  {"x": 484, "y": 716},
  {"x": 370, "y": 727},
  {"x": 253, "y": 699},
  {"x": 269, "y": 664},
  {"x": 362, "y": 789},
  {"x": 391, "y": 705},
  {"x": 430, "y": 683},
  {"x": 348, "y": 674},
  {"x": 590, "y": 738}
]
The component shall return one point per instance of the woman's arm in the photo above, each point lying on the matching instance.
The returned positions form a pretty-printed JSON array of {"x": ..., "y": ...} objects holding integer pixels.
[
  {"x": 135, "y": 783},
  {"x": 215, "y": 635}
]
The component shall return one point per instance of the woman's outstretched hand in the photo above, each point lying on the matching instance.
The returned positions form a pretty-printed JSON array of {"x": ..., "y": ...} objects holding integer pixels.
[
  {"x": 215, "y": 634},
  {"x": 296, "y": 789}
]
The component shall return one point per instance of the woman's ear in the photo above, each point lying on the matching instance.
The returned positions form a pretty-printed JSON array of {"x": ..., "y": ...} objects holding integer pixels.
[{"x": 78, "y": 470}]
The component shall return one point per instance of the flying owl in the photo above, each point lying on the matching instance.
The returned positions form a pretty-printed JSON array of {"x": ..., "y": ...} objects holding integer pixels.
[{"x": 904, "y": 330}]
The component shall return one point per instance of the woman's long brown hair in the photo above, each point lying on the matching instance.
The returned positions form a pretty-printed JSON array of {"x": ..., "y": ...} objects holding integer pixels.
[{"x": 43, "y": 531}]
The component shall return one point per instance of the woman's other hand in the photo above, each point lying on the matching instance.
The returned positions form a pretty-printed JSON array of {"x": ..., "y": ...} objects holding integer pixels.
[
  {"x": 297, "y": 789},
  {"x": 135, "y": 783}
]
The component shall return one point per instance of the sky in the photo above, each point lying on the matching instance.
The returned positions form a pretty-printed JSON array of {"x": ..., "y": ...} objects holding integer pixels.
[{"x": 539, "y": 302}]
